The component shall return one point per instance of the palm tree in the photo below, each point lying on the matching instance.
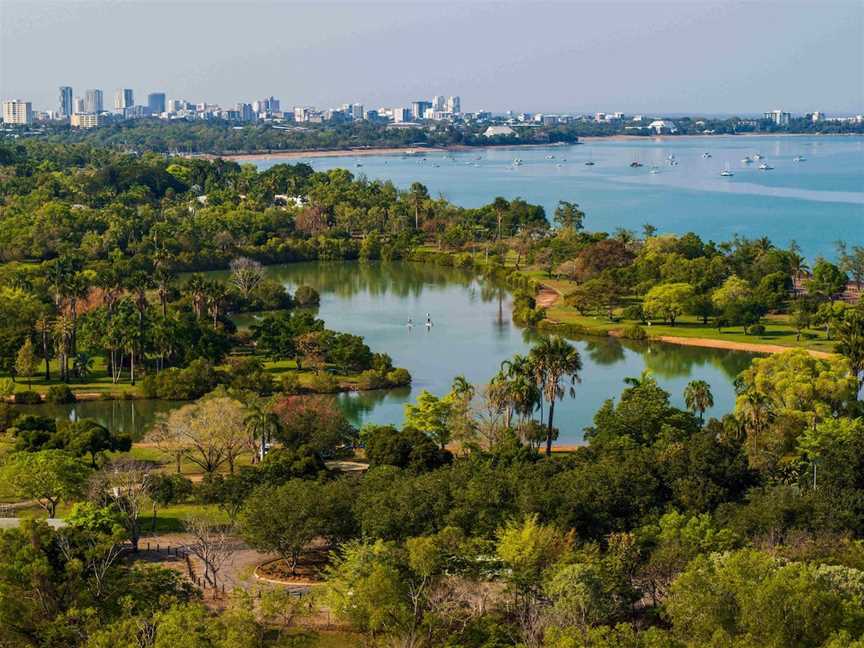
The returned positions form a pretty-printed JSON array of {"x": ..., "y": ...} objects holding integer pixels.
[
  {"x": 556, "y": 360},
  {"x": 196, "y": 288},
  {"x": 44, "y": 326},
  {"x": 850, "y": 343},
  {"x": 216, "y": 294},
  {"x": 262, "y": 426},
  {"x": 698, "y": 397},
  {"x": 462, "y": 388}
]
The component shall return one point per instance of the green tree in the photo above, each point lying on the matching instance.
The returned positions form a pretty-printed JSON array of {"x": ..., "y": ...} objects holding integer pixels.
[
  {"x": 569, "y": 217},
  {"x": 47, "y": 476},
  {"x": 667, "y": 301},
  {"x": 431, "y": 416},
  {"x": 850, "y": 342},
  {"x": 25, "y": 362},
  {"x": 828, "y": 280}
]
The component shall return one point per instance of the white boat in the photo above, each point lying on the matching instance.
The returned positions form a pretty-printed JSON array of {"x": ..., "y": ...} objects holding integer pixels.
[
  {"x": 706, "y": 155},
  {"x": 765, "y": 167},
  {"x": 654, "y": 170},
  {"x": 726, "y": 173},
  {"x": 517, "y": 162},
  {"x": 799, "y": 158},
  {"x": 757, "y": 156},
  {"x": 747, "y": 160}
]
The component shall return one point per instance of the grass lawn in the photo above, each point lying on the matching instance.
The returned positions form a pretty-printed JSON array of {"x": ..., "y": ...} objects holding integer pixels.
[{"x": 99, "y": 380}]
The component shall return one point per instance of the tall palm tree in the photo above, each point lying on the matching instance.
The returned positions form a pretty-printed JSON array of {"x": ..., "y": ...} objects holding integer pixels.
[
  {"x": 698, "y": 397},
  {"x": 196, "y": 288},
  {"x": 216, "y": 293},
  {"x": 44, "y": 327},
  {"x": 850, "y": 343},
  {"x": 262, "y": 425},
  {"x": 556, "y": 360}
]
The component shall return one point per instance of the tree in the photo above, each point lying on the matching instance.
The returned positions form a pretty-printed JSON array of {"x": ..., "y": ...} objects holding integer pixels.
[
  {"x": 667, "y": 301},
  {"x": 25, "y": 362},
  {"x": 87, "y": 437},
  {"x": 698, "y": 397},
  {"x": 263, "y": 426},
  {"x": 850, "y": 342},
  {"x": 166, "y": 489},
  {"x": 246, "y": 274},
  {"x": 828, "y": 280},
  {"x": 211, "y": 543},
  {"x": 286, "y": 519},
  {"x": 47, "y": 476},
  {"x": 431, "y": 416},
  {"x": 314, "y": 421},
  {"x": 126, "y": 484},
  {"x": 569, "y": 217},
  {"x": 555, "y": 360},
  {"x": 210, "y": 432}
]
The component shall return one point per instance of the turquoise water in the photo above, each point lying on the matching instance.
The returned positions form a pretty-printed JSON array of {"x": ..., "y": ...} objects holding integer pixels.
[
  {"x": 472, "y": 333},
  {"x": 816, "y": 202}
]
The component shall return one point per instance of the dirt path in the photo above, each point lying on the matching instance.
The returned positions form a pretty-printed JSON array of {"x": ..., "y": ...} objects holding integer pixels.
[
  {"x": 546, "y": 297},
  {"x": 737, "y": 346}
]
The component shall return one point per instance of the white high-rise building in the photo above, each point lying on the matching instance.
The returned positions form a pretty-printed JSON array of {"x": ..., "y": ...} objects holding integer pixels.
[
  {"x": 454, "y": 105},
  {"x": 438, "y": 103},
  {"x": 778, "y": 117},
  {"x": 17, "y": 111},
  {"x": 401, "y": 115},
  {"x": 123, "y": 99},
  {"x": 93, "y": 101},
  {"x": 77, "y": 106}
]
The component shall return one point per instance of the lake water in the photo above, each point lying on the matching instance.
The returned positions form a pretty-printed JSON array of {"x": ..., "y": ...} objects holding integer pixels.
[
  {"x": 815, "y": 202},
  {"x": 472, "y": 333}
]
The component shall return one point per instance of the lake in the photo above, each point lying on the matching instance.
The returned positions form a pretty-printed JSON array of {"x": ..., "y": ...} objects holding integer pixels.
[
  {"x": 472, "y": 333},
  {"x": 816, "y": 202}
]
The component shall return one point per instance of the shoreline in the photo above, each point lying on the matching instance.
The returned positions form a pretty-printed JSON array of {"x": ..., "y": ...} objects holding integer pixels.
[
  {"x": 320, "y": 153},
  {"x": 749, "y": 347}
]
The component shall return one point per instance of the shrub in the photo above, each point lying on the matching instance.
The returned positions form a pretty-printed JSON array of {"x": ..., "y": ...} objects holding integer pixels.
[
  {"x": 634, "y": 332},
  {"x": 291, "y": 384},
  {"x": 371, "y": 379},
  {"x": 307, "y": 296},
  {"x": 322, "y": 383},
  {"x": 398, "y": 377},
  {"x": 27, "y": 398},
  {"x": 634, "y": 312},
  {"x": 199, "y": 378},
  {"x": 248, "y": 374},
  {"x": 757, "y": 329},
  {"x": 60, "y": 394}
]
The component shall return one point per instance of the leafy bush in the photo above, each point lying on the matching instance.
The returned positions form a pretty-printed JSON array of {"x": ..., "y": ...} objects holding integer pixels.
[
  {"x": 371, "y": 379},
  {"x": 291, "y": 384},
  {"x": 398, "y": 377},
  {"x": 307, "y": 296},
  {"x": 757, "y": 329},
  {"x": 190, "y": 383},
  {"x": 60, "y": 394},
  {"x": 634, "y": 332},
  {"x": 248, "y": 374},
  {"x": 323, "y": 383},
  {"x": 27, "y": 398}
]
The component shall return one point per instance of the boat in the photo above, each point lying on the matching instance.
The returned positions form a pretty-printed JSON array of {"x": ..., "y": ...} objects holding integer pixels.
[
  {"x": 757, "y": 156},
  {"x": 747, "y": 160},
  {"x": 706, "y": 155},
  {"x": 550, "y": 157},
  {"x": 726, "y": 173},
  {"x": 654, "y": 170},
  {"x": 799, "y": 158},
  {"x": 635, "y": 164},
  {"x": 517, "y": 162},
  {"x": 765, "y": 167},
  {"x": 589, "y": 163}
]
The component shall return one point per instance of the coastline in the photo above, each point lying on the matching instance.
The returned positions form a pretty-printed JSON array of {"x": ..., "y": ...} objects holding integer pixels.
[{"x": 319, "y": 153}]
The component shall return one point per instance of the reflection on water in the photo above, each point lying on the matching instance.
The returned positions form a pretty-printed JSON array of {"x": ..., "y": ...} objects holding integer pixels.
[
  {"x": 471, "y": 334},
  {"x": 133, "y": 417}
]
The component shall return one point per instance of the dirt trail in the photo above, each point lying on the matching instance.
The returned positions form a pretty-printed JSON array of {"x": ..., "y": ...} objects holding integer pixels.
[
  {"x": 737, "y": 346},
  {"x": 546, "y": 297}
]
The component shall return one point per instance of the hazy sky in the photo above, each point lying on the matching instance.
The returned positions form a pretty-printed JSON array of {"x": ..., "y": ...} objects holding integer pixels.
[{"x": 638, "y": 56}]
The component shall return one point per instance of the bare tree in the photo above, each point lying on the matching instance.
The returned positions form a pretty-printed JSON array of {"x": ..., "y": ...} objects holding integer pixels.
[
  {"x": 97, "y": 554},
  {"x": 212, "y": 544},
  {"x": 246, "y": 274},
  {"x": 126, "y": 483}
]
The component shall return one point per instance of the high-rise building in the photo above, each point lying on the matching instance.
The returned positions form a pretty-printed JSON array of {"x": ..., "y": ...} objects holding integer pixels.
[
  {"x": 244, "y": 111},
  {"x": 438, "y": 103},
  {"x": 86, "y": 120},
  {"x": 93, "y": 101},
  {"x": 77, "y": 105},
  {"x": 156, "y": 103},
  {"x": 64, "y": 101},
  {"x": 778, "y": 117},
  {"x": 419, "y": 108},
  {"x": 401, "y": 115},
  {"x": 123, "y": 99},
  {"x": 17, "y": 111},
  {"x": 454, "y": 105}
]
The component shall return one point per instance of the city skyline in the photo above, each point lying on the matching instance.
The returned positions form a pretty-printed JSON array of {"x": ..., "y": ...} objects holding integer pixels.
[{"x": 678, "y": 65}]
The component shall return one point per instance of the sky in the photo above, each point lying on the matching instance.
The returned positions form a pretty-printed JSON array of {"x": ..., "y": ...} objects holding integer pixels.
[{"x": 696, "y": 56}]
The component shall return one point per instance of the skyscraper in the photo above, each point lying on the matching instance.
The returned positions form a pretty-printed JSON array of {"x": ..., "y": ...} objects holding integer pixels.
[
  {"x": 156, "y": 103},
  {"x": 437, "y": 103},
  {"x": 93, "y": 101},
  {"x": 123, "y": 98},
  {"x": 77, "y": 105},
  {"x": 64, "y": 101},
  {"x": 454, "y": 105},
  {"x": 419, "y": 108}
]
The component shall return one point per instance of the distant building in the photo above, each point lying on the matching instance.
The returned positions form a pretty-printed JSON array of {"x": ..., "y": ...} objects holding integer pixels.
[
  {"x": 778, "y": 117},
  {"x": 419, "y": 108},
  {"x": 17, "y": 111},
  {"x": 93, "y": 101},
  {"x": 401, "y": 115},
  {"x": 136, "y": 112},
  {"x": 499, "y": 131},
  {"x": 817, "y": 116},
  {"x": 123, "y": 99},
  {"x": 64, "y": 101},
  {"x": 663, "y": 126},
  {"x": 156, "y": 103},
  {"x": 244, "y": 111},
  {"x": 86, "y": 120},
  {"x": 454, "y": 105},
  {"x": 78, "y": 105},
  {"x": 438, "y": 103},
  {"x": 302, "y": 113}
]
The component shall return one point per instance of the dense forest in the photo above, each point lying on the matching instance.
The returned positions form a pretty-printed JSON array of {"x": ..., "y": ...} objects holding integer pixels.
[{"x": 460, "y": 528}]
